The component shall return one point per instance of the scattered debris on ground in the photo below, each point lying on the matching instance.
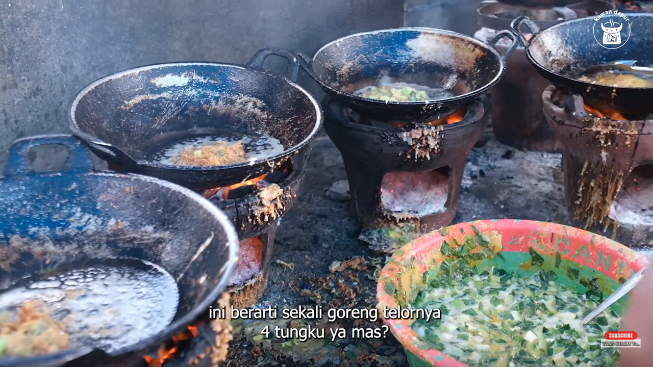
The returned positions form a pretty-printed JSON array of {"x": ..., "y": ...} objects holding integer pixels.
[
  {"x": 341, "y": 288},
  {"x": 339, "y": 191},
  {"x": 286, "y": 265},
  {"x": 332, "y": 268}
]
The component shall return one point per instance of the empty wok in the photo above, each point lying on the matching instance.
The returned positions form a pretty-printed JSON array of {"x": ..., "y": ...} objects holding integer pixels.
[
  {"x": 564, "y": 51},
  {"x": 128, "y": 117},
  {"x": 427, "y": 57},
  {"x": 51, "y": 220}
]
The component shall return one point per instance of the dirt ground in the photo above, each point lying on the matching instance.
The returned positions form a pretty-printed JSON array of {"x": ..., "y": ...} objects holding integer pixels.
[{"x": 320, "y": 232}]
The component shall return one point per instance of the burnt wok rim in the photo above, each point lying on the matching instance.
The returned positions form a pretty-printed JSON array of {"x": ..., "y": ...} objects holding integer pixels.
[
  {"x": 175, "y": 327},
  {"x": 443, "y": 101},
  {"x": 317, "y": 123},
  {"x": 567, "y": 79}
]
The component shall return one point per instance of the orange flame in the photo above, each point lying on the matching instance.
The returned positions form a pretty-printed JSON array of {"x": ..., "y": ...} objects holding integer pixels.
[
  {"x": 605, "y": 112},
  {"x": 451, "y": 119},
  {"x": 632, "y": 6},
  {"x": 225, "y": 194},
  {"x": 166, "y": 353}
]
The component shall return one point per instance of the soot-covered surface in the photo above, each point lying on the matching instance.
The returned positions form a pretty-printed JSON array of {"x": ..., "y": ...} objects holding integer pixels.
[{"x": 318, "y": 258}]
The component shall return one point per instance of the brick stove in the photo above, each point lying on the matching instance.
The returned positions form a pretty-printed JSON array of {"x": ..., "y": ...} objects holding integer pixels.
[
  {"x": 517, "y": 118},
  {"x": 404, "y": 178},
  {"x": 607, "y": 166}
]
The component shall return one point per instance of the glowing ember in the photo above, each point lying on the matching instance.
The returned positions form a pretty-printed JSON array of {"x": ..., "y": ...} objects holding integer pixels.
[
  {"x": 451, "y": 119},
  {"x": 417, "y": 193},
  {"x": 168, "y": 350},
  {"x": 632, "y": 6},
  {"x": 605, "y": 112},
  {"x": 225, "y": 190},
  {"x": 250, "y": 261}
]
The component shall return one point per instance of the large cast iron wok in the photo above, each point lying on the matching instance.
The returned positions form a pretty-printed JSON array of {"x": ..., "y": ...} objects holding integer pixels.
[
  {"x": 562, "y": 52},
  {"x": 125, "y": 117},
  {"x": 428, "y": 57},
  {"x": 51, "y": 219}
]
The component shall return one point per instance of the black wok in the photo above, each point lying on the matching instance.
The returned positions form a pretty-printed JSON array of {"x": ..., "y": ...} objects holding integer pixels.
[
  {"x": 52, "y": 220},
  {"x": 127, "y": 117},
  {"x": 428, "y": 57},
  {"x": 562, "y": 52}
]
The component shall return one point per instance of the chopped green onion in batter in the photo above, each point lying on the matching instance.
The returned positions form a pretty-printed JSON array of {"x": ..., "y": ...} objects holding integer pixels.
[
  {"x": 500, "y": 318},
  {"x": 406, "y": 94}
]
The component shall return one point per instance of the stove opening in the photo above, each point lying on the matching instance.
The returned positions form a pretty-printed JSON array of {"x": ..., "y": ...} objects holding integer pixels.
[
  {"x": 235, "y": 191},
  {"x": 634, "y": 202},
  {"x": 453, "y": 118},
  {"x": 250, "y": 261},
  {"x": 605, "y": 111},
  {"x": 457, "y": 116},
  {"x": 248, "y": 187},
  {"x": 417, "y": 193},
  {"x": 168, "y": 350}
]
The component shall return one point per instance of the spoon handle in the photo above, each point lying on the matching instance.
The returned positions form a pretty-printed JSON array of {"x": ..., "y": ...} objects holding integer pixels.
[
  {"x": 642, "y": 69},
  {"x": 615, "y": 296},
  {"x": 635, "y": 69}
]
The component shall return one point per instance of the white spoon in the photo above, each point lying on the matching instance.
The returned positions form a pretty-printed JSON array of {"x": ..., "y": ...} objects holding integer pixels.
[{"x": 615, "y": 296}]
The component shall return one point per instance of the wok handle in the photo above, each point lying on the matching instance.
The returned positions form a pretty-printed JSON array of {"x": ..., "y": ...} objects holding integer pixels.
[
  {"x": 79, "y": 158},
  {"x": 305, "y": 64},
  {"x": 258, "y": 60},
  {"x": 513, "y": 46},
  {"x": 532, "y": 27},
  {"x": 107, "y": 151}
]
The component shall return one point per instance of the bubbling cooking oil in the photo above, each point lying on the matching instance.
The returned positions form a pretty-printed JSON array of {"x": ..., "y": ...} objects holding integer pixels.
[
  {"x": 432, "y": 93},
  {"x": 257, "y": 146},
  {"x": 108, "y": 304}
]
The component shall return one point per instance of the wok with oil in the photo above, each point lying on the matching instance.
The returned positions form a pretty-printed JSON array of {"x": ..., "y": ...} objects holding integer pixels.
[
  {"x": 127, "y": 117},
  {"x": 51, "y": 220},
  {"x": 436, "y": 59},
  {"x": 564, "y": 51}
]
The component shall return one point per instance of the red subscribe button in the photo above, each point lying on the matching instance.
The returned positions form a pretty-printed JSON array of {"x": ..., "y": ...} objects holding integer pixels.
[{"x": 620, "y": 335}]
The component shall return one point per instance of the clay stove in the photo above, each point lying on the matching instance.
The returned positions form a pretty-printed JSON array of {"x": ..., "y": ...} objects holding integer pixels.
[
  {"x": 517, "y": 118},
  {"x": 203, "y": 344},
  {"x": 404, "y": 178},
  {"x": 608, "y": 167},
  {"x": 255, "y": 207}
]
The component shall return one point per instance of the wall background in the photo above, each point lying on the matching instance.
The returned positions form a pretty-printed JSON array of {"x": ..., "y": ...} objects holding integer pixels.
[{"x": 49, "y": 50}]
